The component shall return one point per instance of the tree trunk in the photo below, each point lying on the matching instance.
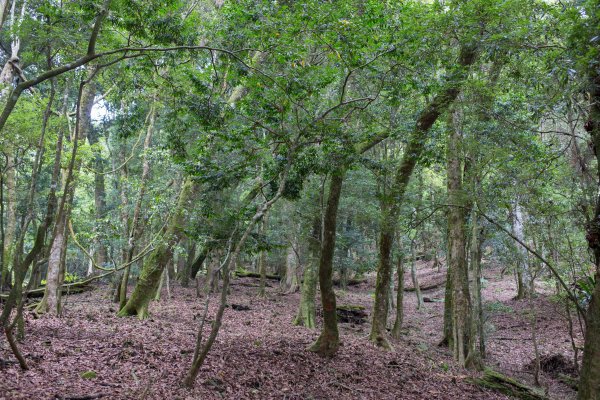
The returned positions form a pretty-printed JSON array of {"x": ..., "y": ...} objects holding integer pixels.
[
  {"x": 211, "y": 284},
  {"x": 11, "y": 218},
  {"x": 524, "y": 278},
  {"x": 291, "y": 270},
  {"x": 262, "y": 259},
  {"x": 399, "y": 299},
  {"x": 306, "y": 311},
  {"x": 133, "y": 232},
  {"x": 56, "y": 273},
  {"x": 99, "y": 252},
  {"x": 413, "y": 274},
  {"x": 390, "y": 212},
  {"x": 155, "y": 262},
  {"x": 199, "y": 260},
  {"x": 476, "y": 243},
  {"x": 462, "y": 310},
  {"x": 329, "y": 340},
  {"x": 589, "y": 381},
  {"x": 185, "y": 272}
]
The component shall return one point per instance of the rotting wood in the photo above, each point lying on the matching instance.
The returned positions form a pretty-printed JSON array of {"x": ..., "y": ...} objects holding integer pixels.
[{"x": 496, "y": 381}]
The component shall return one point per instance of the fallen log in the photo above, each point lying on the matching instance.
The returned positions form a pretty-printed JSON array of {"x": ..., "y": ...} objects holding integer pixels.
[
  {"x": 425, "y": 287},
  {"x": 240, "y": 273},
  {"x": 351, "y": 282},
  {"x": 69, "y": 288},
  {"x": 348, "y": 313},
  {"x": 496, "y": 381}
]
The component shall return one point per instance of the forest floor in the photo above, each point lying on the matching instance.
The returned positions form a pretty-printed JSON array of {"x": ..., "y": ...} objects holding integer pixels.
[{"x": 259, "y": 354}]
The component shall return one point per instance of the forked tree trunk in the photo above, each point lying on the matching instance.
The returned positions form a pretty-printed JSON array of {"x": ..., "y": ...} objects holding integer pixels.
[
  {"x": 329, "y": 340},
  {"x": 390, "y": 213},
  {"x": 462, "y": 310}
]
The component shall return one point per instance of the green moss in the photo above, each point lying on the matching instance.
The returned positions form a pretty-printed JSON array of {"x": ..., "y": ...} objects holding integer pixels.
[{"x": 89, "y": 374}]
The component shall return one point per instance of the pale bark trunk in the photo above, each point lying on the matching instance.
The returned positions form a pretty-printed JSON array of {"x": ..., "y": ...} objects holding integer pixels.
[
  {"x": 306, "y": 311},
  {"x": 396, "y": 330},
  {"x": 524, "y": 278},
  {"x": 478, "y": 318},
  {"x": 55, "y": 277},
  {"x": 11, "y": 218},
  {"x": 291, "y": 270},
  {"x": 415, "y": 278},
  {"x": 99, "y": 252}
]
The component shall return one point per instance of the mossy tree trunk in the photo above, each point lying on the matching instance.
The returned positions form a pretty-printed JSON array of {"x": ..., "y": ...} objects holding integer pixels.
[
  {"x": 134, "y": 230},
  {"x": 157, "y": 260},
  {"x": 328, "y": 341},
  {"x": 394, "y": 200},
  {"x": 306, "y": 311},
  {"x": 462, "y": 310}
]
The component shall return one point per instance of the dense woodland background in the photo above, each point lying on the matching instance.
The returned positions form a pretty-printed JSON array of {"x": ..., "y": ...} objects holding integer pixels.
[{"x": 276, "y": 179}]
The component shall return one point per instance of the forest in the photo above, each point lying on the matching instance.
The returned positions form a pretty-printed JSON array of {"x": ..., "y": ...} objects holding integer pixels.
[{"x": 316, "y": 199}]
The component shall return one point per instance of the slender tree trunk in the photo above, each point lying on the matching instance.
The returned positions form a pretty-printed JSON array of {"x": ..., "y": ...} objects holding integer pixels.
[
  {"x": 414, "y": 276},
  {"x": 185, "y": 272},
  {"x": 262, "y": 259},
  {"x": 523, "y": 269},
  {"x": 99, "y": 252},
  {"x": 306, "y": 311},
  {"x": 329, "y": 340},
  {"x": 202, "y": 350},
  {"x": 11, "y": 218},
  {"x": 56, "y": 273},
  {"x": 476, "y": 243},
  {"x": 399, "y": 298},
  {"x": 291, "y": 268}
]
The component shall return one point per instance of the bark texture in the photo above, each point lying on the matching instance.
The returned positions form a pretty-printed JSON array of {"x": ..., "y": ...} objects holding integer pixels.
[
  {"x": 589, "y": 381},
  {"x": 328, "y": 341},
  {"x": 306, "y": 311},
  {"x": 412, "y": 154},
  {"x": 154, "y": 263}
]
